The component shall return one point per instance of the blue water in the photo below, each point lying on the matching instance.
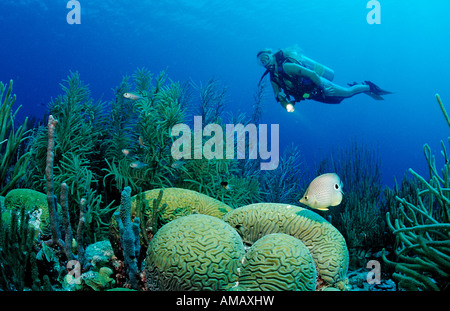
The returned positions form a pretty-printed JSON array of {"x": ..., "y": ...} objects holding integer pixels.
[{"x": 408, "y": 53}]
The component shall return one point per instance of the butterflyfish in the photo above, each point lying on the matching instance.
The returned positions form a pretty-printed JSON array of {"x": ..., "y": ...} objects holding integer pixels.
[{"x": 324, "y": 191}]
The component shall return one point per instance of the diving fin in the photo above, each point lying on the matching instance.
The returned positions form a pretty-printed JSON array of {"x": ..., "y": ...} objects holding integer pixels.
[
  {"x": 373, "y": 95},
  {"x": 376, "y": 89}
]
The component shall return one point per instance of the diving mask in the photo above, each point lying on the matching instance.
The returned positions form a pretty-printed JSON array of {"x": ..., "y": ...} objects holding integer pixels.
[{"x": 264, "y": 59}]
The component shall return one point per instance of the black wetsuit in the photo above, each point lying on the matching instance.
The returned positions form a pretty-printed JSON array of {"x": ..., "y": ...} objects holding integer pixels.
[{"x": 304, "y": 88}]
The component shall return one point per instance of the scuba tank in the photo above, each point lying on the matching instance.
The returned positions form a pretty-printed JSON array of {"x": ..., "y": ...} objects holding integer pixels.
[{"x": 321, "y": 70}]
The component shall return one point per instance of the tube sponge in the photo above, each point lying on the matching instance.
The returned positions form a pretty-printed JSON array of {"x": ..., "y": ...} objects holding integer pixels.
[
  {"x": 195, "y": 252},
  {"x": 129, "y": 232},
  {"x": 278, "y": 262},
  {"x": 325, "y": 243}
]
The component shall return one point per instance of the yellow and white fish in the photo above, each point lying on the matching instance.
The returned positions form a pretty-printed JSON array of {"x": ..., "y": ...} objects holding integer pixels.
[
  {"x": 131, "y": 96},
  {"x": 324, "y": 191},
  {"x": 126, "y": 152}
]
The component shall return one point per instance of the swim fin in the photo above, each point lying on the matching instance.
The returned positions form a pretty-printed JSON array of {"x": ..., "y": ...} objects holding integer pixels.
[{"x": 374, "y": 90}]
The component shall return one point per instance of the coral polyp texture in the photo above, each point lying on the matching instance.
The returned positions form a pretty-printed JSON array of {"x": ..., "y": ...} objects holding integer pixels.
[
  {"x": 278, "y": 262},
  {"x": 325, "y": 243},
  {"x": 195, "y": 252}
]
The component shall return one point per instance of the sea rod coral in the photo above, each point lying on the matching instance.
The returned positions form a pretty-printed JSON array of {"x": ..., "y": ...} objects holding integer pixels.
[{"x": 423, "y": 230}]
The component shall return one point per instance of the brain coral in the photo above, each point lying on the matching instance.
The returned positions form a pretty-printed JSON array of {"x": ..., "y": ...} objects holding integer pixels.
[
  {"x": 32, "y": 201},
  {"x": 325, "y": 243},
  {"x": 195, "y": 252},
  {"x": 181, "y": 202},
  {"x": 278, "y": 262}
]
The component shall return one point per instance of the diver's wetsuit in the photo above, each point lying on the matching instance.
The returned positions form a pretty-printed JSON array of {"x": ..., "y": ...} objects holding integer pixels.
[
  {"x": 304, "y": 88},
  {"x": 328, "y": 99}
]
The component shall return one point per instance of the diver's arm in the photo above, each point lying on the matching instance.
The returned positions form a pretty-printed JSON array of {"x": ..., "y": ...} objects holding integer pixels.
[
  {"x": 279, "y": 95},
  {"x": 294, "y": 69},
  {"x": 282, "y": 98},
  {"x": 276, "y": 89}
]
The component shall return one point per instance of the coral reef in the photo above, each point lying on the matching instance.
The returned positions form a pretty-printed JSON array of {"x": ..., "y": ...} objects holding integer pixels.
[
  {"x": 90, "y": 280},
  {"x": 284, "y": 182},
  {"x": 326, "y": 245},
  {"x": 212, "y": 101},
  {"x": 147, "y": 140},
  {"x": 51, "y": 198},
  {"x": 358, "y": 217},
  {"x": 422, "y": 229},
  {"x": 158, "y": 109},
  {"x": 13, "y": 162},
  {"x": 77, "y": 159},
  {"x": 99, "y": 254},
  {"x": 195, "y": 252},
  {"x": 276, "y": 262},
  {"x": 176, "y": 215},
  {"x": 444, "y": 112}
]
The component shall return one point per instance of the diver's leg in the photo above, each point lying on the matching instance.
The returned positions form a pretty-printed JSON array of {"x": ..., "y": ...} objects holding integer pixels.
[{"x": 332, "y": 89}]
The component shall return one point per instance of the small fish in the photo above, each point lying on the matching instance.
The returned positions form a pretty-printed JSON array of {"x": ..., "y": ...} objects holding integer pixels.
[
  {"x": 178, "y": 164},
  {"x": 126, "y": 152},
  {"x": 226, "y": 185},
  {"x": 141, "y": 142},
  {"x": 131, "y": 96},
  {"x": 138, "y": 165},
  {"x": 324, "y": 191},
  {"x": 4, "y": 141}
]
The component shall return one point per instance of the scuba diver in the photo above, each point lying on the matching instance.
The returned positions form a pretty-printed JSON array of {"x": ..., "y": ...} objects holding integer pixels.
[{"x": 294, "y": 75}]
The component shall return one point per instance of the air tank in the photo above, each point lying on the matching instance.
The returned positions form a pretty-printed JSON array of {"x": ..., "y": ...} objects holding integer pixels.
[{"x": 321, "y": 70}]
